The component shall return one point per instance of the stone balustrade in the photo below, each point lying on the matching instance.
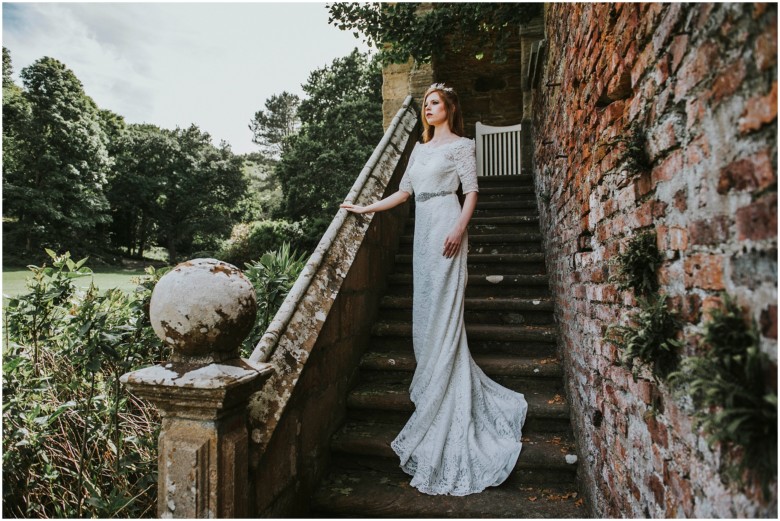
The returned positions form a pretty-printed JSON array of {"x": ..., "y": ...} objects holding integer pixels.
[{"x": 203, "y": 309}]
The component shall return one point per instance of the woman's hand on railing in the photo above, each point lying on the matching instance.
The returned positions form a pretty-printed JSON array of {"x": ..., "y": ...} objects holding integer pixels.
[
  {"x": 385, "y": 204},
  {"x": 354, "y": 208}
]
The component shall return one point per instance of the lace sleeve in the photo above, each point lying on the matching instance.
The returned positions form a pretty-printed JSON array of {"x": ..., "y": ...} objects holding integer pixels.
[
  {"x": 406, "y": 182},
  {"x": 464, "y": 156}
]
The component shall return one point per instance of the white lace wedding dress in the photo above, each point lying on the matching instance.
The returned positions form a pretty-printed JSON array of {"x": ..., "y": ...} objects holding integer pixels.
[{"x": 464, "y": 434}]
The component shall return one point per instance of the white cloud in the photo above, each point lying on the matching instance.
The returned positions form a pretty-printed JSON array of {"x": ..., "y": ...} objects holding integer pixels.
[{"x": 176, "y": 64}]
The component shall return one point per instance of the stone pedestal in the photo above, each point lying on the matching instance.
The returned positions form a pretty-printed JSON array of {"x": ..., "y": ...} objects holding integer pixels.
[{"x": 203, "y": 309}]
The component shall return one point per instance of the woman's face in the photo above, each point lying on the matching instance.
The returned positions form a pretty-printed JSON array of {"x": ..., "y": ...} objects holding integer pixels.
[{"x": 435, "y": 110}]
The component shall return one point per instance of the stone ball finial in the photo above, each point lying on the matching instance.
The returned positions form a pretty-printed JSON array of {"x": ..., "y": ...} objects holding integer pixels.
[{"x": 203, "y": 308}]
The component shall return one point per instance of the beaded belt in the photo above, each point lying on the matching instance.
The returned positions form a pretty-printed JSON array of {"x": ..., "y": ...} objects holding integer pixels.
[{"x": 424, "y": 196}]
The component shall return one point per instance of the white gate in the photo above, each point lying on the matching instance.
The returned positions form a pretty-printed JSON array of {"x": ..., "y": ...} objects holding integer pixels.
[{"x": 498, "y": 150}]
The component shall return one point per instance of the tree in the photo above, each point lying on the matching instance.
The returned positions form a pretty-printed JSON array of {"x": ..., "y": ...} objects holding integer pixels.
[
  {"x": 279, "y": 121},
  {"x": 341, "y": 124},
  {"x": 7, "y": 67},
  {"x": 402, "y": 29},
  {"x": 54, "y": 183},
  {"x": 143, "y": 155},
  {"x": 201, "y": 188}
]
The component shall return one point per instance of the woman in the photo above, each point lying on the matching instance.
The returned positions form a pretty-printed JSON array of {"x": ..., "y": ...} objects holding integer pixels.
[{"x": 464, "y": 434}]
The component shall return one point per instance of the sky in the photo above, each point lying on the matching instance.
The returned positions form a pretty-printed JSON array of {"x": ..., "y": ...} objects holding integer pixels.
[{"x": 174, "y": 64}]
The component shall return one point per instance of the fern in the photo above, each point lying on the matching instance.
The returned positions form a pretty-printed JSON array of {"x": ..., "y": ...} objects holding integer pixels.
[{"x": 735, "y": 407}]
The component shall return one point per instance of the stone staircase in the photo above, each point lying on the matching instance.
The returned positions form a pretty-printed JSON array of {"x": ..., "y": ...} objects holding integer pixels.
[{"x": 509, "y": 322}]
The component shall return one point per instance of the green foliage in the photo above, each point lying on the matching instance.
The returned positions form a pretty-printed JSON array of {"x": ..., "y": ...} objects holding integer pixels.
[
  {"x": 341, "y": 125},
  {"x": 263, "y": 197},
  {"x": 638, "y": 264},
  {"x": 249, "y": 240},
  {"x": 7, "y": 67},
  {"x": 56, "y": 161},
  {"x": 736, "y": 406},
  {"x": 272, "y": 276},
  {"x": 271, "y": 127},
  {"x": 636, "y": 152},
  {"x": 74, "y": 442},
  {"x": 75, "y": 175},
  {"x": 650, "y": 339},
  {"x": 144, "y": 155},
  {"x": 399, "y": 31}
]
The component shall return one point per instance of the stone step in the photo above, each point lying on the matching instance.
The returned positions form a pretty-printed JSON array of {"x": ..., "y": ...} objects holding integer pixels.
[
  {"x": 505, "y": 180},
  {"x": 501, "y": 224},
  {"x": 489, "y": 264},
  {"x": 498, "y": 208},
  {"x": 492, "y": 365},
  {"x": 370, "y": 493},
  {"x": 506, "y": 190},
  {"x": 479, "y": 303},
  {"x": 492, "y": 238},
  {"x": 479, "y": 310},
  {"x": 525, "y": 194},
  {"x": 366, "y": 445},
  {"x": 476, "y": 347},
  {"x": 478, "y": 285},
  {"x": 515, "y": 204},
  {"x": 390, "y": 392},
  {"x": 491, "y": 243},
  {"x": 476, "y": 331}
]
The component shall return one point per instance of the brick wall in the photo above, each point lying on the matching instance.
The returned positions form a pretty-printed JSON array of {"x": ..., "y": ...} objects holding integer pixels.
[{"x": 701, "y": 81}]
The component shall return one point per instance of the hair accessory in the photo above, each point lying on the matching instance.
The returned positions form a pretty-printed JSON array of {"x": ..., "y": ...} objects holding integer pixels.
[{"x": 441, "y": 86}]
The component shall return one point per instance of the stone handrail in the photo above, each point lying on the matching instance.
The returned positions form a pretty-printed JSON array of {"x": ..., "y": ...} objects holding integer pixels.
[
  {"x": 295, "y": 328},
  {"x": 270, "y": 339},
  {"x": 316, "y": 340}
]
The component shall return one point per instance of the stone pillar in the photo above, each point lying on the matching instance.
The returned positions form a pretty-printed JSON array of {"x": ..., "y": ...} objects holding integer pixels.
[
  {"x": 203, "y": 309},
  {"x": 530, "y": 34},
  {"x": 399, "y": 80}
]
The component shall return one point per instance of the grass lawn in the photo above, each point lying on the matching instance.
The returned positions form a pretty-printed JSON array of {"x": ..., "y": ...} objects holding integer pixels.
[{"x": 107, "y": 278}]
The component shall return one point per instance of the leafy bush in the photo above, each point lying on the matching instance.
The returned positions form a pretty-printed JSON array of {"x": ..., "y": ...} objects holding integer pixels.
[
  {"x": 637, "y": 265},
  {"x": 75, "y": 443},
  {"x": 248, "y": 240},
  {"x": 735, "y": 404},
  {"x": 651, "y": 338},
  {"x": 272, "y": 276}
]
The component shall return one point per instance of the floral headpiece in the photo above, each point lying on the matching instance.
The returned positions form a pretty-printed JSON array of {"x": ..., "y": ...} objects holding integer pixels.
[{"x": 441, "y": 86}]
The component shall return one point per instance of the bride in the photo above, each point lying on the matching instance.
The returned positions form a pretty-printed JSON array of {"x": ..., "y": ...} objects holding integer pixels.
[{"x": 464, "y": 434}]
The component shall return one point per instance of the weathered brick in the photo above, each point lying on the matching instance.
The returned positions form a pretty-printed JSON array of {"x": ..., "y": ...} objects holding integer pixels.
[
  {"x": 759, "y": 111},
  {"x": 640, "y": 65},
  {"x": 681, "y": 200},
  {"x": 704, "y": 271},
  {"x": 672, "y": 238},
  {"x": 708, "y": 305},
  {"x": 758, "y": 220},
  {"x": 658, "y": 431},
  {"x": 664, "y": 137},
  {"x": 729, "y": 81},
  {"x": 678, "y": 49},
  {"x": 765, "y": 48},
  {"x": 670, "y": 19},
  {"x": 695, "y": 111},
  {"x": 671, "y": 166},
  {"x": 709, "y": 231},
  {"x": 750, "y": 173},
  {"x": 697, "y": 151},
  {"x": 696, "y": 67},
  {"x": 769, "y": 322}
]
